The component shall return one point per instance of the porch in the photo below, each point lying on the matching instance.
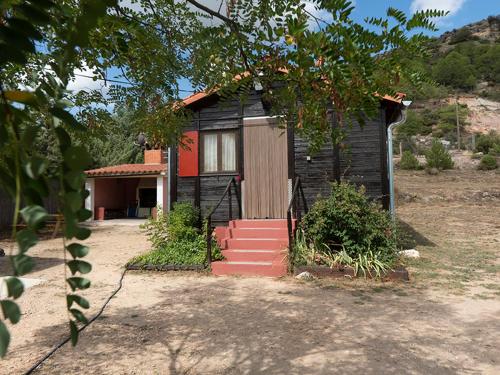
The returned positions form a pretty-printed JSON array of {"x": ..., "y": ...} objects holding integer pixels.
[{"x": 128, "y": 191}]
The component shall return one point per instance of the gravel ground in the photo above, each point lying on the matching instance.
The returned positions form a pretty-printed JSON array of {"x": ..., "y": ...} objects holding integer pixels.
[{"x": 185, "y": 323}]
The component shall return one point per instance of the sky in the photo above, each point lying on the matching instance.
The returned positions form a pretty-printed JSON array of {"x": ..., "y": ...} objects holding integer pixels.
[{"x": 461, "y": 12}]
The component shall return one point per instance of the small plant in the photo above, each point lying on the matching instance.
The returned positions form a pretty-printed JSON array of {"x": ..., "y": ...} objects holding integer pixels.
[
  {"x": 409, "y": 161},
  {"x": 488, "y": 162},
  {"x": 175, "y": 239},
  {"x": 369, "y": 264},
  {"x": 485, "y": 142},
  {"x": 438, "y": 157},
  {"x": 348, "y": 221}
]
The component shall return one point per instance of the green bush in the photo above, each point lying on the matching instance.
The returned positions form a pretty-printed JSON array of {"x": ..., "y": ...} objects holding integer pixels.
[
  {"x": 485, "y": 142},
  {"x": 347, "y": 221},
  {"x": 488, "y": 162},
  {"x": 409, "y": 161},
  {"x": 175, "y": 239},
  {"x": 190, "y": 252},
  {"x": 438, "y": 157}
]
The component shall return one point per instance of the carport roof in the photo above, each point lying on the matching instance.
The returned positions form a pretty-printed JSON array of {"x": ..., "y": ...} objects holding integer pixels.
[{"x": 128, "y": 170}]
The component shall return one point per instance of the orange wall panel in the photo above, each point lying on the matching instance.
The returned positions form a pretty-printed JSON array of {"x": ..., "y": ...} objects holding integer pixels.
[{"x": 188, "y": 155}]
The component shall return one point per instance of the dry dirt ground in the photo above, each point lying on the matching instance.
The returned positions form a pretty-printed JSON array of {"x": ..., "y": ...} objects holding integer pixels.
[{"x": 446, "y": 320}]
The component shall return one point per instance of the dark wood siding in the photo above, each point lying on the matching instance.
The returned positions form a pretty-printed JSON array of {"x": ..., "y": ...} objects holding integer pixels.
[{"x": 360, "y": 159}]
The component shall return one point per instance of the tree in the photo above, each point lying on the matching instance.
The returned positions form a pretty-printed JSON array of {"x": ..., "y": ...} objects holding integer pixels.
[
  {"x": 305, "y": 63},
  {"x": 455, "y": 70}
]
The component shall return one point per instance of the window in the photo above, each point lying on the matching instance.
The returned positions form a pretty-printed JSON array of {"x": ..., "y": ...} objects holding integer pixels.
[{"x": 218, "y": 152}]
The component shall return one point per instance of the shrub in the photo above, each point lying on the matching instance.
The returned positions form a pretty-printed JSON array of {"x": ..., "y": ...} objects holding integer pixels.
[
  {"x": 485, "y": 142},
  {"x": 175, "y": 239},
  {"x": 438, "y": 157},
  {"x": 347, "y": 221},
  {"x": 488, "y": 162},
  {"x": 409, "y": 161}
]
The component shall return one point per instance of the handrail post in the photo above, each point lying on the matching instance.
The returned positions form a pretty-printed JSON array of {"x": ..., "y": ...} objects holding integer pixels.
[
  {"x": 209, "y": 240},
  {"x": 290, "y": 239},
  {"x": 238, "y": 198},
  {"x": 230, "y": 197}
]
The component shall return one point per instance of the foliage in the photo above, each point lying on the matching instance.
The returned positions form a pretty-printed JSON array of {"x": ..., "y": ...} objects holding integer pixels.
[
  {"x": 175, "y": 239},
  {"x": 440, "y": 122},
  {"x": 210, "y": 47},
  {"x": 348, "y": 221},
  {"x": 184, "y": 251},
  {"x": 461, "y": 35},
  {"x": 368, "y": 264},
  {"x": 486, "y": 142},
  {"x": 409, "y": 161},
  {"x": 23, "y": 114},
  {"x": 488, "y": 162},
  {"x": 455, "y": 70},
  {"x": 114, "y": 140},
  {"x": 438, "y": 157}
]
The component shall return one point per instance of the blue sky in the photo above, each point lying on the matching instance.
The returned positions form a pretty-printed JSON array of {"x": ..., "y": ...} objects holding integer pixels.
[{"x": 462, "y": 12}]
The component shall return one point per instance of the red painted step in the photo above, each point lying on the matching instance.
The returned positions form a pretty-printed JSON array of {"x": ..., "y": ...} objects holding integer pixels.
[
  {"x": 253, "y": 248},
  {"x": 257, "y": 243},
  {"x": 257, "y": 232},
  {"x": 268, "y": 269},
  {"x": 259, "y": 223},
  {"x": 254, "y": 255}
]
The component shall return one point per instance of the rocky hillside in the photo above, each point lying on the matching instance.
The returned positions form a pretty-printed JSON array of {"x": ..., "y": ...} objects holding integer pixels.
[{"x": 465, "y": 63}]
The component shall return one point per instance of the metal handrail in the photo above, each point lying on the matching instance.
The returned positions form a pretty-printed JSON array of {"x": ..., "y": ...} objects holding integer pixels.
[
  {"x": 227, "y": 191},
  {"x": 294, "y": 208}
]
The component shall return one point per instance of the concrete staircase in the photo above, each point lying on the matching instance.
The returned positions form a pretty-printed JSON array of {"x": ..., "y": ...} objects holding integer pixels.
[{"x": 253, "y": 248}]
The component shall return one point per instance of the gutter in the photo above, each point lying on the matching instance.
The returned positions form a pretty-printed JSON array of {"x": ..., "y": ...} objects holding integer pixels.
[{"x": 390, "y": 162}]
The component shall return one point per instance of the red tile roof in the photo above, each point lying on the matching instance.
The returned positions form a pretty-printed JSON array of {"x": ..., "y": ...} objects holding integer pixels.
[{"x": 128, "y": 170}]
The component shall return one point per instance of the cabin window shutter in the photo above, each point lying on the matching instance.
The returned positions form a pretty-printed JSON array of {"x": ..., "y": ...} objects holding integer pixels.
[{"x": 188, "y": 155}]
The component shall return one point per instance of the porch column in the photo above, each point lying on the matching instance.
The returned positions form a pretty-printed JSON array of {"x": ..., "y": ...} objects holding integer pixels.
[
  {"x": 161, "y": 193},
  {"x": 89, "y": 201}
]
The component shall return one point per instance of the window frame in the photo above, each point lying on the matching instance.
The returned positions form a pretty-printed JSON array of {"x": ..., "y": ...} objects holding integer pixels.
[{"x": 219, "y": 133}]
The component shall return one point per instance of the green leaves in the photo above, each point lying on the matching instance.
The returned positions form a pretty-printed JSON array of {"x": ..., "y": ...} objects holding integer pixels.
[
  {"x": 11, "y": 311},
  {"x": 14, "y": 287},
  {"x": 77, "y": 250},
  {"x": 73, "y": 298},
  {"x": 33, "y": 216},
  {"x": 78, "y": 283},
  {"x": 4, "y": 339},
  {"x": 77, "y": 158},
  {"x": 79, "y": 266},
  {"x": 74, "y": 332},
  {"x": 26, "y": 238}
]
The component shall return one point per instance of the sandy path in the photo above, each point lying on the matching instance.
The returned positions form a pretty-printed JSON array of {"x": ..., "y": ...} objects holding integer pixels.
[
  {"x": 171, "y": 324},
  {"x": 43, "y": 306}
]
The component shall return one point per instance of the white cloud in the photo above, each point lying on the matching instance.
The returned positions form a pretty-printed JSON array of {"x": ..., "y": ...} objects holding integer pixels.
[
  {"x": 452, "y": 6},
  {"x": 83, "y": 82}
]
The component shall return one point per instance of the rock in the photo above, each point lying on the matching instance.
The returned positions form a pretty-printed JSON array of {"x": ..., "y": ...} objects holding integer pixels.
[
  {"x": 410, "y": 253},
  {"x": 2, "y": 252},
  {"x": 432, "y": 171},
  {"x": 305, "y": 276}
]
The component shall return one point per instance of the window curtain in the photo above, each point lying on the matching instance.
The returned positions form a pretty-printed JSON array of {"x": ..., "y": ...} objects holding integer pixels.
[
  {"x": 229, "y": 151},
  {"x": 210, "y": 153}
]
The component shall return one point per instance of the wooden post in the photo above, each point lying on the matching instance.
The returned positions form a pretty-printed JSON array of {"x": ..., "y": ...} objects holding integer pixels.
[
  {"x": 458, "y": 123},
  {"x": 400, "y": 149}
]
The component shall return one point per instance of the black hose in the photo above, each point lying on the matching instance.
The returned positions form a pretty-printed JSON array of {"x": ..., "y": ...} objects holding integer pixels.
[{"x": 58, "y": 346}]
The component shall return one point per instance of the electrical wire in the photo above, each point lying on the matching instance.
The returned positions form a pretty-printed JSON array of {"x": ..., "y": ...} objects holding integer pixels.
[
  {"x": 122, "y": 82},
  {"x": 61, "y": 344}
]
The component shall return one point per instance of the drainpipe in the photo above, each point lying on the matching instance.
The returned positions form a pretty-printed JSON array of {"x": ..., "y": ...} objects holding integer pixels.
[{"x": 390, "y": 128}]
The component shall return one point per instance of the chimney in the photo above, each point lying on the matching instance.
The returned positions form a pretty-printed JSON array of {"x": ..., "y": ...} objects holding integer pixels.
[{"x": 153, "y": 156}]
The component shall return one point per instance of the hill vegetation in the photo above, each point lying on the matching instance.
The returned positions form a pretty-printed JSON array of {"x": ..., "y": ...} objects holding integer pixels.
[{"x": 462, "y": 62}]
